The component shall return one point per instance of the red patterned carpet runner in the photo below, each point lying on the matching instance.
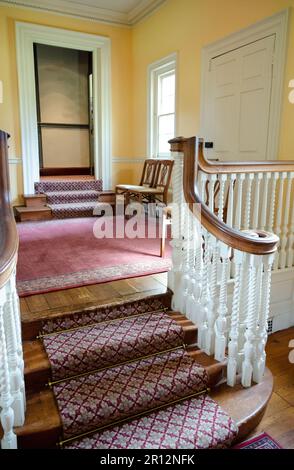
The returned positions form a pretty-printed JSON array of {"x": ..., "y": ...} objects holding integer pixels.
[
  {"x": 104, "y": 397},
  {"x": 106, "y": 344},
  {"x": 198, "y": 423},
  {"x": 122, "y": 379},
  {"x": 70, "y": 198},
  {"x": 99, "y": 314}
]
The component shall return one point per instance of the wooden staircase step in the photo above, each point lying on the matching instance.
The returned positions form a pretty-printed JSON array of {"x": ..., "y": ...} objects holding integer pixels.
[
  {"x": 37, "y": 370},
  {"x": 32, "y": 320},
  {"x": 43, "y": 425},
  {"x": 245, "y": 405},
  {"x": 35, "y": 200},
  {"x": 33, "y": 213}
]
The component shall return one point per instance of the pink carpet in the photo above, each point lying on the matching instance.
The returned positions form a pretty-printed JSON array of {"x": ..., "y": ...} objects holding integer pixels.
[{"x": 60, "y": 254}]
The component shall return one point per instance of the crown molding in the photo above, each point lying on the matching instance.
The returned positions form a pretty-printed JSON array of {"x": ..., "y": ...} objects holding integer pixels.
[
  {"x": 143, "y": 10},
  {"x": 89, "y": 12}
]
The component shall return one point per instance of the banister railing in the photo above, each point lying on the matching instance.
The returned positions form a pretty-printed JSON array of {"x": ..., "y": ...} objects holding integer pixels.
[
  {"x": 206, "y": 251},
  {"x": 12, "y": 393},
  {"x": 251, "y": 195}
]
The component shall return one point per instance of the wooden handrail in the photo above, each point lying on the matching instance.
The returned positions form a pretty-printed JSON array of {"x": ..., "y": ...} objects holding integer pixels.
[
  {"x": 259, "y": 243},
  {"x": 8, "y": 230},
  {"x": 269, "y": 166}
]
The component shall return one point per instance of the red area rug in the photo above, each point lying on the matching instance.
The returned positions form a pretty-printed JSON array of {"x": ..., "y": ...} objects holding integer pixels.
[
  {"x": 61, "y": 254},
  {"x": 262, "y": 441}
]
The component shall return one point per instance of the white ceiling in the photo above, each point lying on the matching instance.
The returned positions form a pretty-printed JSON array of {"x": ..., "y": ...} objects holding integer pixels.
[{"x": 125, "y": 12}]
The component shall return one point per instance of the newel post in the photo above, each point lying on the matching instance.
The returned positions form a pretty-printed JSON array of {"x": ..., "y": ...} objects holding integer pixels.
[{"x": 178, "y": 242}]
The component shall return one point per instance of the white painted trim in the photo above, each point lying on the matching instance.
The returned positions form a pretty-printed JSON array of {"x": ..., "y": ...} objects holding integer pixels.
[
  {"x": 26, "y": 35},
  {"x": 128, "y": 160},
  {"x": 161, "y": 65},
  {"x": 276, "y": 24},
  {"x": 143, "y": 10},
  {"x": 91, "y": 12}
]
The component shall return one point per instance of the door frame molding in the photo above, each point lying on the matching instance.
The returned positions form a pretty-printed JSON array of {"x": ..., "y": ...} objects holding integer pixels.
[
  {"x": 26, "y": 35},
  {"x": 276, "y": 24}
]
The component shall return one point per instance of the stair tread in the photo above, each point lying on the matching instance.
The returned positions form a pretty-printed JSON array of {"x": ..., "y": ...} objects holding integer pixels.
[
  {"x": 72, "y": 191},
  {"x": 103, "y": 345},
  {"x": 73, "y": 205}
]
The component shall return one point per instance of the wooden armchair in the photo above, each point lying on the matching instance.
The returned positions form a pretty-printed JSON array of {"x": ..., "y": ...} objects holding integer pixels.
[{"x": 154, "y": 183}]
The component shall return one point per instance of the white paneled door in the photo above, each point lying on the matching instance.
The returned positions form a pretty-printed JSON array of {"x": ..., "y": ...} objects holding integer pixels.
[{"x": 238, "y": 102}]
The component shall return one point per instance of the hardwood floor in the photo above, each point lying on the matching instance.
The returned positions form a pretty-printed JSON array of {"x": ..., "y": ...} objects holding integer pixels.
[{"x": 278, "y": 420}]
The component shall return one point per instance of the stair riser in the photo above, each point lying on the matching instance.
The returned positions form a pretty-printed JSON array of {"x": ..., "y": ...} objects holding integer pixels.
[
  {"x": 46, "y": 440},
  {"x": 37, "y": 380},
  {"x": 34, "y": 215},
  {"x": 35, "y": 201}
]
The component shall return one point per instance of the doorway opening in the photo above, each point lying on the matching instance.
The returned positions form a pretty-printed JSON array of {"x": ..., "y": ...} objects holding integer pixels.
[{"x": 64, "y": 107}]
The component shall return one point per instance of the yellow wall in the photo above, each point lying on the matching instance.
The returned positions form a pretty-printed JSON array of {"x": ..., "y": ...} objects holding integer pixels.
[
  {"x": 185, "y": 26},
  {"x": 121, "y": 49}
]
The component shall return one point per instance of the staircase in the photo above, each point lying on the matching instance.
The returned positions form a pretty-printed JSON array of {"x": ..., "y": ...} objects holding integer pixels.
[
  {"x": 63, "y": 199},
  {"x": 68, "y": 199},
  {"x": 128, "y": 375}
]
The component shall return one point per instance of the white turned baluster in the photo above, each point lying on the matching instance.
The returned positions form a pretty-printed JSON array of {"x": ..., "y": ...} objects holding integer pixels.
[
  {"x": 247, "y": 215},
  {"x": 205, "y": 300},
  {"x": 285, "y": 236},
  {"x": 16, "y": 312},
  {"x": 290, "y": 249},
  {"x": 278, "y": 224},
  {"x": 264, "y": 204},
  {"x": 238, "y": 217},
  {"x": 211, "y": 314},
  {"x": 272, "y": 203},
  {"x": 221, "y": 321},
  {"x": 16, "y": 379},
  {"x": 258, "y": 178},
  {"x": 230, "y": 208},
  {"x": 261, "y": 337},
  {"x": 203, "y": 180},
  {"x": 186, "y": 260},
  {"x": 7, "y": 415},
  {"x": 211, "y": 186},
  {"x": 251, "y": 321},
  {"x": 195, "y": 303},
  {"x": 221, "y": 197},
  {"x": 191, "y": 301},
  {"x": 235, "y": 319}
]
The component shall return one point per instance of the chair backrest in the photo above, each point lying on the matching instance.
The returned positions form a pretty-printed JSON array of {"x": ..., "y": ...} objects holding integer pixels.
[
  {"x": 149, "y": 172},
  {"x": 163, "y": 176}
]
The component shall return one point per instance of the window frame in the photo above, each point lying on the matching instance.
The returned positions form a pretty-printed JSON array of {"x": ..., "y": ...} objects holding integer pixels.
[{"x": 165, "y": 66}]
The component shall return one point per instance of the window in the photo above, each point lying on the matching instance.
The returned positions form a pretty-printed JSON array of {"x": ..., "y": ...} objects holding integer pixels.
[{"x": 162, "y": 104}]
